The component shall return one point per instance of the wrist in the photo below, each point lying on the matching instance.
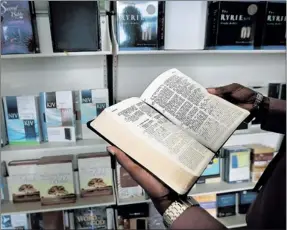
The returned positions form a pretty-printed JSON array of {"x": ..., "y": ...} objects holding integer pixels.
[{"x": 162, "y": 203}]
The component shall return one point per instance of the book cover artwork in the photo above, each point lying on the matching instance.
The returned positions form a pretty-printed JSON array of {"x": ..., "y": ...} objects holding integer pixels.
[
  {"x": 137, "y": 24},
  {"x": 91, "y": 218},
  {"x": 16, "y": 31},
  {"x": 275, "y": 26},
  {"x": 233, "y": 24}
]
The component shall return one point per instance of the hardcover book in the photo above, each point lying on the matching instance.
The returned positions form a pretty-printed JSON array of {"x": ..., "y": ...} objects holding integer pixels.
[
  {"x": 139, "y": 24},
  {"x": 231, "y": 24},
  {"x": 236, "y": 164},
  {"x": 91, "y": 218},
  {"x": 226, "y": 204},
  {"x": 95, "y": 172},
  {"x": 90, "y": 103},
  {"x": 175, "y": 122},
  {"x": 274, "y": 25},
  {"x": 212, "y": 173},
  {"x": 57, "y": 116},
  {"x": 22, "y": 120},
  {"x": 18, "y": 28},
  {"x": 245, "y": 199},
  {"x": 22, "y": 181},
  {"x": 56, "y": 180},
  {"x": 133, "y": 216},
  {"x": 75, "y": 26}
]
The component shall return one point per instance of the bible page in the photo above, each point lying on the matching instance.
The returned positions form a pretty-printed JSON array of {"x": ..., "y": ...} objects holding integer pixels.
[
  {"x": 157, "y": 131},
  {"x": 209, "y": 119}
]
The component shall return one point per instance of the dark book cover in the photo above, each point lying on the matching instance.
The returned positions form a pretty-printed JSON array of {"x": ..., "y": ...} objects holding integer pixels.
[
  {"x": 75, "y": 26},
  {"x": 137, "y": 24},
  {"x": 226, "y": 204},
  {"x": 231, "y": 24},
  {"x": 274, "y": 32},
  {"x": 274, "y": 90},
  {"x": 90, "y": 218},
  {"x": 283, "y": 92},
  {"x": 18, "y": 27},
  {"x": 245, "y": 200}
]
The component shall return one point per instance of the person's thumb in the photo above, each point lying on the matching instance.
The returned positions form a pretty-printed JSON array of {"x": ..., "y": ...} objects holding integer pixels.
[{"x": 227, "y": 89}]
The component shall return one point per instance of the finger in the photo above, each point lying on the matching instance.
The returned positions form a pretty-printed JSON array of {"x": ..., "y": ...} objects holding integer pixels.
[
  {"x": 124, "y": 160},
  {"x": 227, "y": 89}
]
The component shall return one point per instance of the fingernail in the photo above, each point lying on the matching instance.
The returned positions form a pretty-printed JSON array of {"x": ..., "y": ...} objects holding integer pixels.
[{"x": 110, "y": 150}]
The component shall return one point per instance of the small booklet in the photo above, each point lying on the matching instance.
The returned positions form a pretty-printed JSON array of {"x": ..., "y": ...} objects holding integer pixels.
[{"x": 173, "y": 130}]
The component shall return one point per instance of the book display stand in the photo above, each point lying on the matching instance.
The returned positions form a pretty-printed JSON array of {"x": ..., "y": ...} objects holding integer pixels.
[{"x": 126, "y": 73}]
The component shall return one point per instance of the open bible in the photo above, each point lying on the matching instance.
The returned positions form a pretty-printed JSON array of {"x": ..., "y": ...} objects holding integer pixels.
[{"x": 173, "y": 130}]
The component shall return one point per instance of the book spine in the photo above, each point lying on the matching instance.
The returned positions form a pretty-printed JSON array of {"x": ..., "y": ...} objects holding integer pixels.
[
  {"x": 98, "y": 26},
  {"x": 34, "y": 27},
  {"x": 161, "y": 24},
  {"x": 260, "y": 24},
  {"x": 212, "y": 22},
  {"x": 273, "y": 90}
]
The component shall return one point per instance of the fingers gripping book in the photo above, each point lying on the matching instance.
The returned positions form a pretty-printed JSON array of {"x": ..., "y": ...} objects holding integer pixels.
[{"x": 173, "y": 130}]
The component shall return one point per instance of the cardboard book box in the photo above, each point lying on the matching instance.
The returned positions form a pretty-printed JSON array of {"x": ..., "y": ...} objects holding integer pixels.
[
  {"x": 23, "y": 181},
  {"x": 56, "y": 180},
  {"x": 95, "y": 173}
]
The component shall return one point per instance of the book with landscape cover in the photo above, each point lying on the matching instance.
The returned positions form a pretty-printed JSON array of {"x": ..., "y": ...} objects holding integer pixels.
[{"x": 173, "y": 130}]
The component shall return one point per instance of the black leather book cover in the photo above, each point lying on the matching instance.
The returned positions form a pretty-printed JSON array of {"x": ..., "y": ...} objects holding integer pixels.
[
  {"x": 75, "y": 26},
  {"x": 231, "y": 23}
]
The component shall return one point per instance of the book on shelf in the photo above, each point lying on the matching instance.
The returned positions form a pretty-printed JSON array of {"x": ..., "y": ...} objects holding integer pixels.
[
  {"x": 226, "y": 204},
  {"x": 75, "y": 26},
  {"x": 272, "y": 33},
  {"x": 14, "y": 221},
  {"x": 133, "y": 216},
  {"x": 245, "y": 199},
  {"x": 236, "y": 164},
  {"x": 207, "y": 202},
  {"x": 211, "y": 174},
  {"x": 18, "y": 28},
  {"x": 231, "y": 24},
  {"x": 175, "y": 122},
  {"x": 140, "y": 24}
]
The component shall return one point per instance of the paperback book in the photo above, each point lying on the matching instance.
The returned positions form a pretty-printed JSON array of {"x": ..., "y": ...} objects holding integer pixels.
[{"x": 175, "y": 122}]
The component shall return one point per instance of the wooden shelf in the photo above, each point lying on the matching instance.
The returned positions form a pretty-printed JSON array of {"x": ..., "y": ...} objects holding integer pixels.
[
  {"x": 133, "y": 200},
  {"x": 34, "y": 207}
]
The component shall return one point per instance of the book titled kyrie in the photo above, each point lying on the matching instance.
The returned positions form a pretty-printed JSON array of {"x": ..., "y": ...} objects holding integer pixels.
[
  {"x": 140, "y": 24},
  {"x": 231, "y": 25},
  {"x": 18, "y": 28}
]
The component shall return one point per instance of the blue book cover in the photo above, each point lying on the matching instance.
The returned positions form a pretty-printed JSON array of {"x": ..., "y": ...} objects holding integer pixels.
[
  {"x": 137, "y": 24},
  {"x": 17, "y": 32}
]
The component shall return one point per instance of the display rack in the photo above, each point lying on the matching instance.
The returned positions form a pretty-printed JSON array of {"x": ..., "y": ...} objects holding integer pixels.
[
  {"x": 127, "y": 74},
  {"x": 8, "y": 208}
]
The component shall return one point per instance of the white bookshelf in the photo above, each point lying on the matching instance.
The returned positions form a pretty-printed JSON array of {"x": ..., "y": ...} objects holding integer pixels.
[
  {"x": 10, "y": 152},
  {"x": 162, "y": 52},
  {"x": 221, "y": 187},
  {"x": 236, "y": 221},
  {"x": 8, "y": 208},
  {"x": 133, "y": 200},
  {"x": 49, "y": 55}
]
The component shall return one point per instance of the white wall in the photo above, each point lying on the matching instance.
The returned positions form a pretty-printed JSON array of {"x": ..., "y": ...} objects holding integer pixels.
[{"x": 135, "y": 72}]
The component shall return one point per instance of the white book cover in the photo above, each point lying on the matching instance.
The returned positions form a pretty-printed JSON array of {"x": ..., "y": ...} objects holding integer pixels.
[{"x": 185, "y": 23}]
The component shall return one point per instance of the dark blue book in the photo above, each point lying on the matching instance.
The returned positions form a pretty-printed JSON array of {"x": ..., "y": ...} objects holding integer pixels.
[
  {"x": 18, "y": 28},
  {"x": 139, "y": 24}
]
